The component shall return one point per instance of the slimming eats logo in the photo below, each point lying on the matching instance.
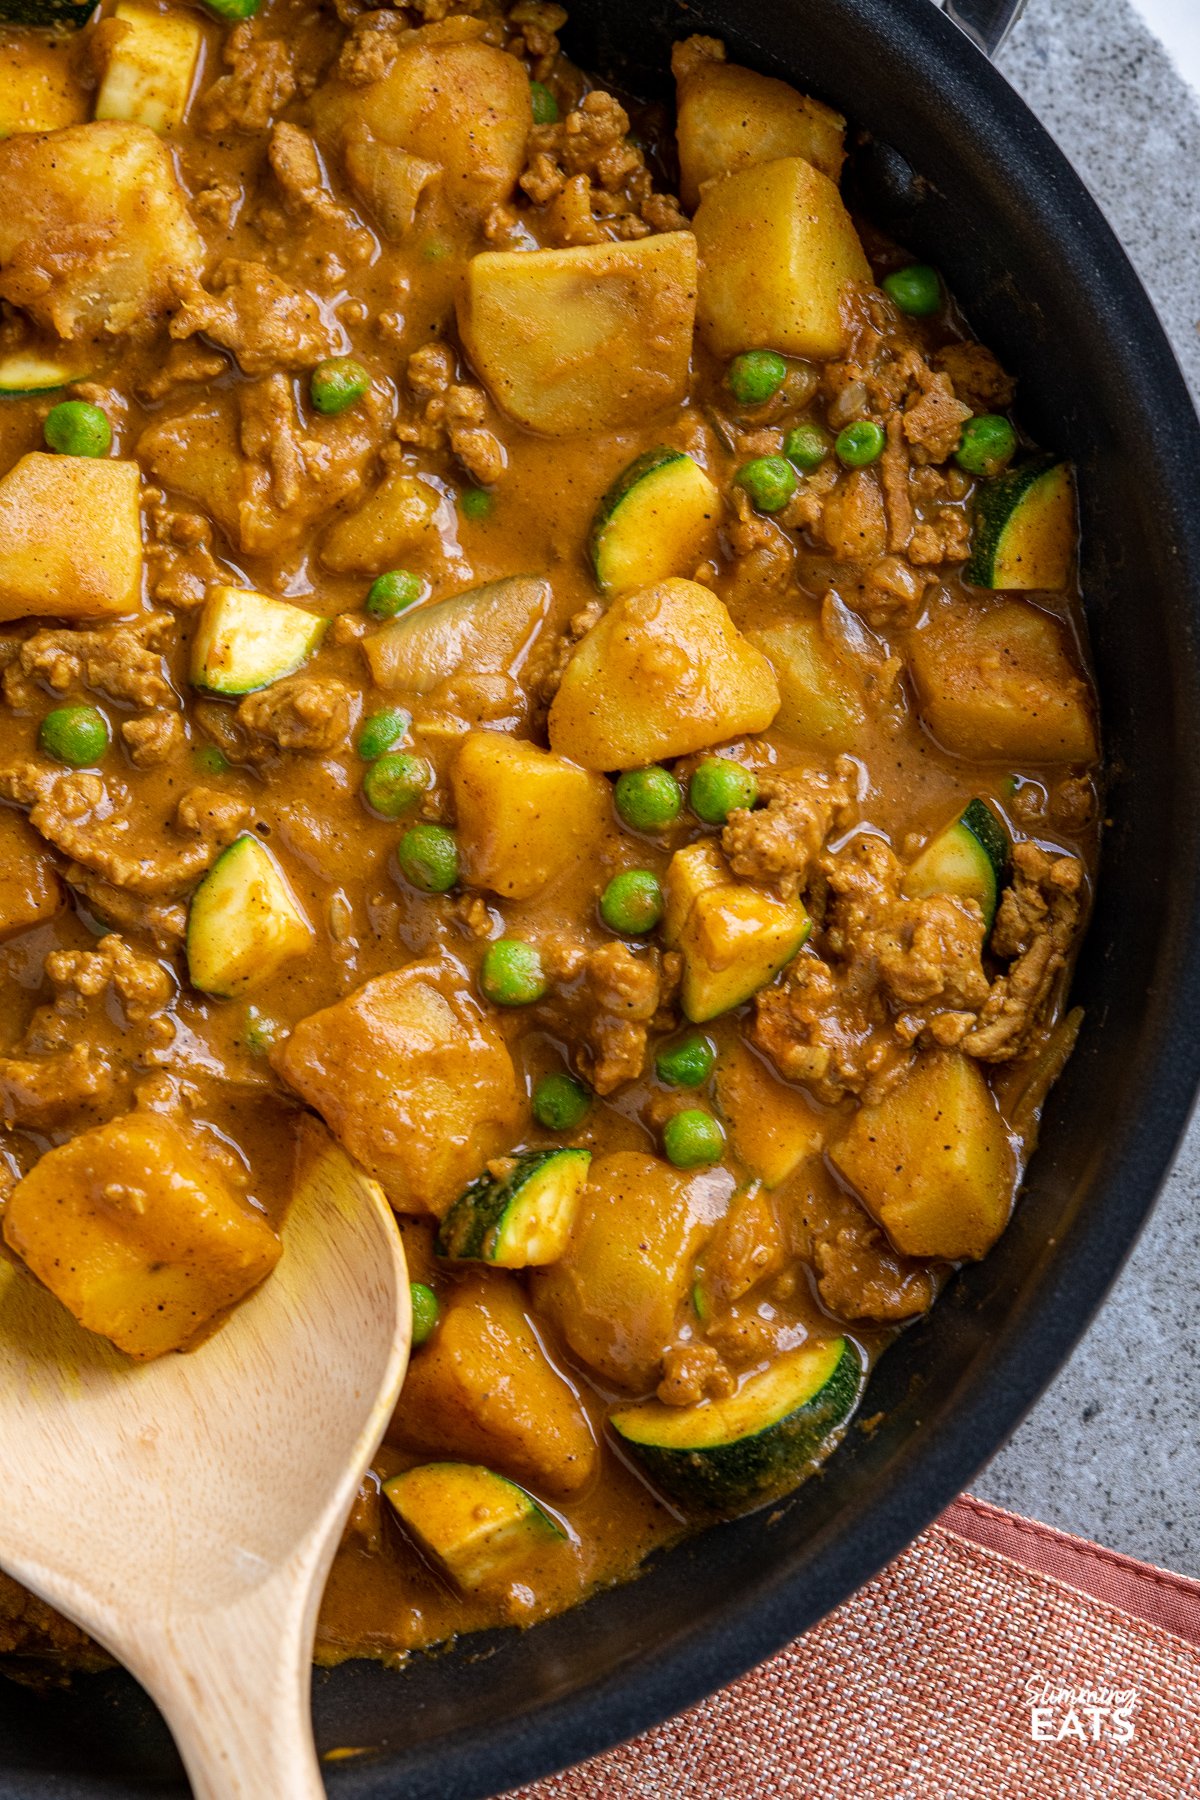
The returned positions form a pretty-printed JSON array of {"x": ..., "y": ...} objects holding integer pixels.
[{"x": 1089, "y": 1715}]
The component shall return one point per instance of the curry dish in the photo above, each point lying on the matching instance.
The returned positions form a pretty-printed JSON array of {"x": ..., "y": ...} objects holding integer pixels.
[{"x": 532, "y": 634}]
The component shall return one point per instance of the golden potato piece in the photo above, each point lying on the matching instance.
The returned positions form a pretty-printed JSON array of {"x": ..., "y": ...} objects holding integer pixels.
[
  {"x": 777, "y": 248},
  {"x": 136, "y": 1236},
  {"x": 461, "y": 108},
  {"x": 384, "y": 529},
  {"x": 38, "y": 87},
  {"x": 663, "y": 673},
  {"x": 591, "y": 338},
  {"x": 524, "y": 815},
  {"x": 482, "y": 1389},
  {"x": 729, "y": 118},
  {"x": 932, "y": 1162},
  {"x": 70, "y": 537},
  {"x": 412, "y": 1079},
  {"x": 823, "y": 699},
  {"x": 94, "y": 229},
  {"x": 773, "y": 1128},
  {"x": 997, "y": 684},
  {"x": 616, "y": 1294},
  {"x": 30, "y": 890}
]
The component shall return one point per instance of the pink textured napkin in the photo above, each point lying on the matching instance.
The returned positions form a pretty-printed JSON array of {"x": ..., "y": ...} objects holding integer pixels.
[{"x": 996, "y": 1659}]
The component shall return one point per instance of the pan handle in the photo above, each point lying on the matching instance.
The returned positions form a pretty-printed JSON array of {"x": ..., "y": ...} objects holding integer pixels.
[{"x": 988, "y": 22}]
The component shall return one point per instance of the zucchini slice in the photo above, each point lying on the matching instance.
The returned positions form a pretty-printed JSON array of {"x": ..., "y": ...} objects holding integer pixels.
[
  {"x": 969, "y": 858},
  {"x": 247, "y": 640},
  {"x": 728, "y": 1455},
  {"x": 657, "y": 519},
  {"x": 151, "y": 68},
  {"x": 243, "y": 923},
  {"x": 26, "y": 373},
  {"x": 1024, "y": 530},
  {"x": 49, "y": 14},
  {"x": 520, "y": 1220},
  {"x": 476, "y": 1526}
]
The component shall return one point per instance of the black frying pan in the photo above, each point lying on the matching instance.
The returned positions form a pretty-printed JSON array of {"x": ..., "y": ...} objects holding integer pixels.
[{"x": 961, "y": 173}]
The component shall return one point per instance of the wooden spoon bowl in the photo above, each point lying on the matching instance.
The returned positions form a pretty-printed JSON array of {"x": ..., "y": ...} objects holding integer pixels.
[{"x": 185, "y": 1512}]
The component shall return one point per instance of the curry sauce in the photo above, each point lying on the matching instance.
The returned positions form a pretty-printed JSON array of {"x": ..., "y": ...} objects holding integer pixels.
[{"x": 478, "y": 448}]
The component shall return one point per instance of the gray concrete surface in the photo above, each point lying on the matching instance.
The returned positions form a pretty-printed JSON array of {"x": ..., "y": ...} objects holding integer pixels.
[{"x": 1113, "y": 1449}]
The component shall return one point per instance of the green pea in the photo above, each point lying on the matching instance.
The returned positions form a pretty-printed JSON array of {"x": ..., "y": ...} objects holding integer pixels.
[
  {"x": 435, "y": 250},
  {"x": 512, "y": 973},
  {"x": 545, "y": 106},
  {"x": 692, "y": 1139},
  {"x": 860, "y": 444},
  {"x": 425, "y": 1311},
  {"x": 260, "y": 1031},
  {"x": 428, "y": 857},
  {"x": 208, "y": 760},
  {"x": 770, "y": 482},
  {"x": 77, "y": 735},
  {"x": 382, "y": 731},
  {"x": 718, "y": 787},
  {"x": 77, "y": 428},
  {"x": 755, "y": 376},
  {"x": 988, "y": 444},
  {"x": 807, "y": 446},
  {"x": 390, "y": 593},
  {"x": 915, "y": 290},
  {"x": 632, "y": 903},
  {"x": 395, "y": 782},
  {"x": 337, "y": 383},
  {"x": 560, "y": 1103},
  {"x": 476, "y": 503},
  {"x": 648, "y": 799},
  {"x": 688, "y": 1063}
]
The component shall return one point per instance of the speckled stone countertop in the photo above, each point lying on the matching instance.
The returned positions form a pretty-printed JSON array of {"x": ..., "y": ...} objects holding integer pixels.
[{"x": 1112, "y": 1451}]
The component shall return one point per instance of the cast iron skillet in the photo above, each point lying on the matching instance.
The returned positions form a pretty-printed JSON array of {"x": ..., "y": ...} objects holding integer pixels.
[{"x": 1022, "y": 245}]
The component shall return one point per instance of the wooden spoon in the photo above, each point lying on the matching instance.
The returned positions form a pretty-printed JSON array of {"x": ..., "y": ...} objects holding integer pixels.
[{"x": 185, "y": 1511}]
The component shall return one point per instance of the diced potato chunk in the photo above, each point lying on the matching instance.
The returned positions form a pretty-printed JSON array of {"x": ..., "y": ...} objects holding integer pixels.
[
  {"x": 136, "y": 1235},
  {"x": 777, "y": 248},
  {"x": 412, "y": 1078},
  {"x": 696, "y": 867},
  {"x": 382, "y": 531},
  {"x": 591, "y": 338},
  {"x": 70, "y": 537},
  {"x": 997, "y": 684},
  {"x": 149, "y": 69},
  {"x": 38, "y": 88},
  {"x": 30, "y": 891},
  {"x": 822, "y": 696},
  {"x": 524, "y": 815},
  {"x": 729, "y": 118},
  {"x": 94, "y": 229},
  {"x": 483, "y": 1389},
  {"x": 461, "y": 106},
  {"x": 773, "y": 1128},
  {"x": 932, "y": 1161},
  {"x": 663, "y": 673},
  {"x": 733, "y": 938},
  {"x": 616, "y": 1293}
]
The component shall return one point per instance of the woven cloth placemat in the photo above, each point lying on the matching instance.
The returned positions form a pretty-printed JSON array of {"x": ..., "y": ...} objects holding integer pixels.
[{"x": 968, "y": 1670}]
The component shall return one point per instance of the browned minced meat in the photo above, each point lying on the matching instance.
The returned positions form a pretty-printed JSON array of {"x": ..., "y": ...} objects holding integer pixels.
[
  {"x": 1036, "y": 925},
  {"x": 260, "y": 82},
  {"x": 252, "y": 312},
  {"x": 781, "y": 841},
  {"x": 451, "y": 413},
  {"x": 591, "y": 181},
  {"x": 78, "y": 815},
  {"x": 31, "y": 1629},
  {"x": 123, "y": 661},
  {"x": 621, "y": 992},
  {"x": 304, "y": 712}
]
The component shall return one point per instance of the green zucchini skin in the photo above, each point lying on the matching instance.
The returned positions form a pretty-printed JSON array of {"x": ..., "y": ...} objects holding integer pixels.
[
  {"x": 492, "y": 1219},
  {"x": 970, "y": 858},
  {"x": 756, "y": 1465},
  {"x": 645, "y": 529},
  {"x": 62, "y": 15},
  {"x": 999, "y": 506}
]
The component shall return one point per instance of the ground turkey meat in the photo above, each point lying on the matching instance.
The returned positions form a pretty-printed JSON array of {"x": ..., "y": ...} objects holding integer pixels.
[
  {"x": 1036, "y": 924},
  {"x": 261, "y": 319},
  {"x": 860, "y": 1276},
  {"x": 780, "y": 841},
  {"x": 619, "y": 996},
  {"x": 306, "y": 712},
  {"x": 260, "y": 82},
  {"x": 123, "y": 661},
  {"x": 591, "y": 181},
  {"x": 452, "y": 414},
  {"x": 77, "y": 814}
]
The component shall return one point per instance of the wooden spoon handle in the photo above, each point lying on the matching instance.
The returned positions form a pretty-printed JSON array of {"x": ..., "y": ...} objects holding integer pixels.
[{"x": 235, "y": 1688}]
